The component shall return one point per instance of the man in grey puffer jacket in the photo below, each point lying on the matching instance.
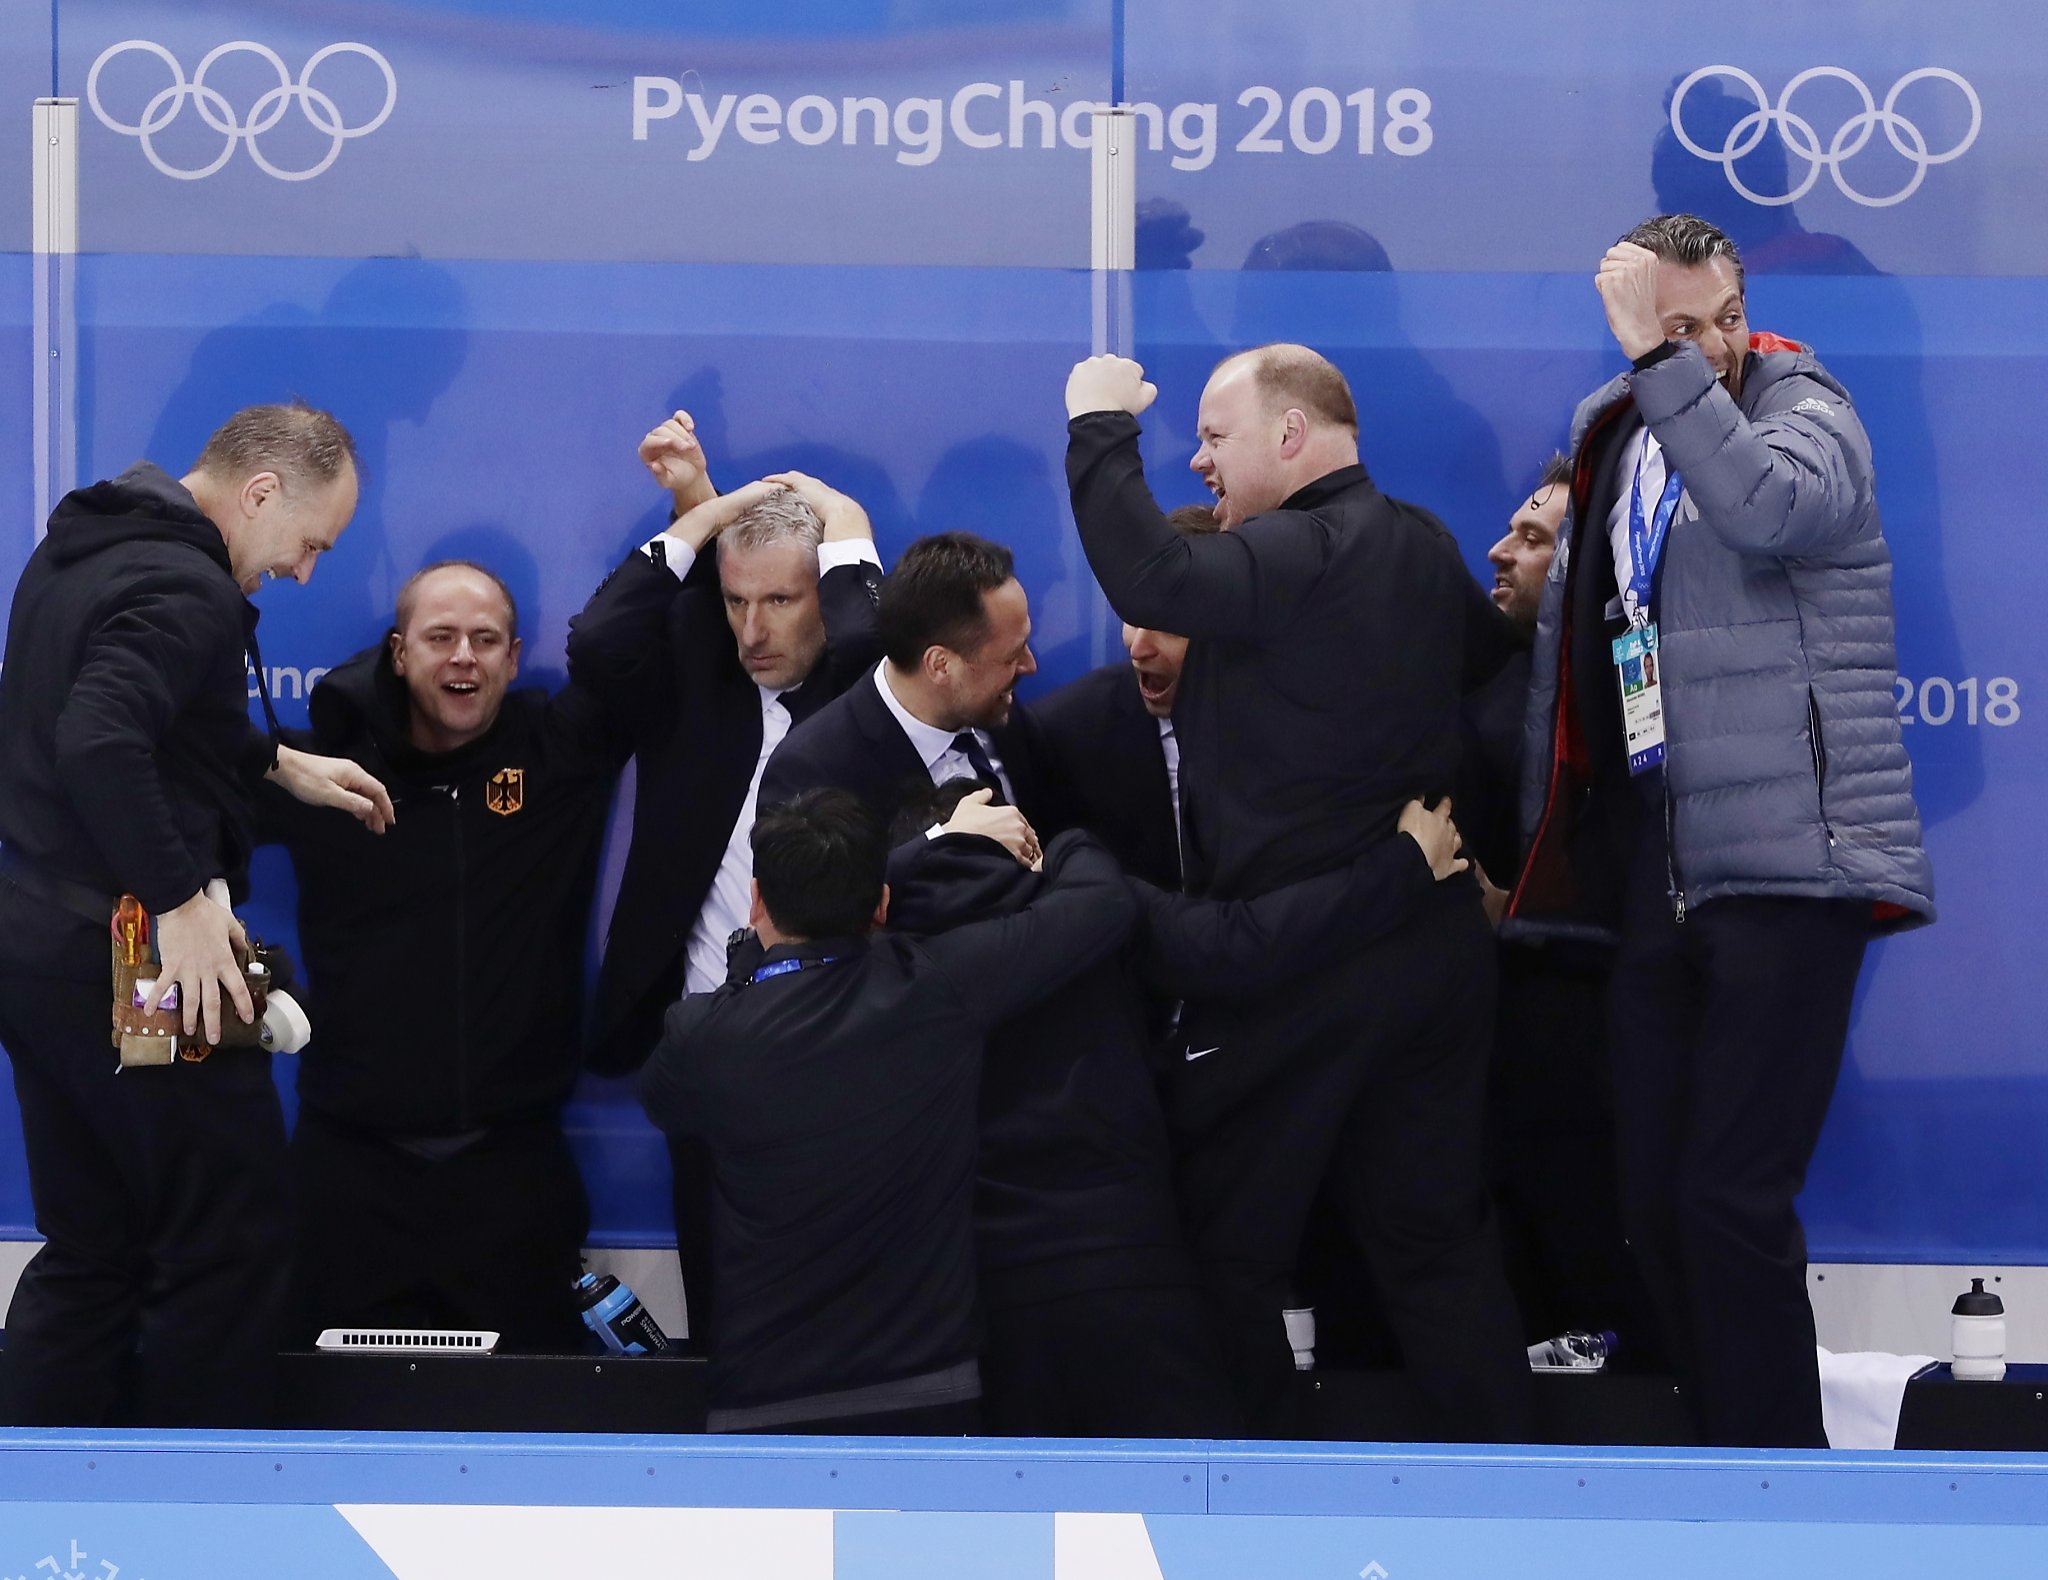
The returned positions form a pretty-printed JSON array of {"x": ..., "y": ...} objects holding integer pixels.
[{"x": 1750, "y": 825}]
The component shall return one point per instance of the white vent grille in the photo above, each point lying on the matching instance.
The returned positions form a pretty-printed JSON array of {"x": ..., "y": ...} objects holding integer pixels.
[{"x": 438, "y": 1341}]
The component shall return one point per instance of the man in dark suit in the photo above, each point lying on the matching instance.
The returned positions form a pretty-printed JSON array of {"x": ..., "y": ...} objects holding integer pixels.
[
  {"x": 956, "y": 638},
  {"x": 1109, "y": 748},
  {"x": 713, "y": 657},
  {"x": 835, "y": 1079},
  {"x": 1333, "y": 631}
]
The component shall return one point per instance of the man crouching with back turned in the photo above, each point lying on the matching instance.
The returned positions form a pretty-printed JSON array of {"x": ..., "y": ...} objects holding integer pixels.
[{"x": 835, "y": 1079}]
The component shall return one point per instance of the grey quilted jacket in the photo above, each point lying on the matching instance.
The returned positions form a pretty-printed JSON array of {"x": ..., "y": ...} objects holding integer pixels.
[{"x": 1785, "y": 767}]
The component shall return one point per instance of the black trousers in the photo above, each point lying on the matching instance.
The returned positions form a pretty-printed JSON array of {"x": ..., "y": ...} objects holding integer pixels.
[
  {"x": 1727, "y": 1032},
  {"x": 1106, "y": 1363},
  {"x": 1551, "y": 1157},
  {"x": 1370, "y": 1071},
  {"x": 689, "y": 1164},
  {"x": 491, "y": 1237},
  {"x": 157, "y": 1297}
]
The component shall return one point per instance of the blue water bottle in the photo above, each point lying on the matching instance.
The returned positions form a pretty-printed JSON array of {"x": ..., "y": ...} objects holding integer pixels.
[{"x": 613, "y": 1312}]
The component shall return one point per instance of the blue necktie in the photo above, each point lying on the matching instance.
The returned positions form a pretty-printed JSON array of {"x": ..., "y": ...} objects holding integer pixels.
[{"x": 969, "y": 746}]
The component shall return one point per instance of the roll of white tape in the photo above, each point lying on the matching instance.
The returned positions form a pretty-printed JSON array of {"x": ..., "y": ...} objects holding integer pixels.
[{"x": 285, "y": 1026}]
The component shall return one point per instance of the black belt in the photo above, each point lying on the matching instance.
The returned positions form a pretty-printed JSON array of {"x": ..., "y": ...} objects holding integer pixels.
[{"x": 38, "y": 883}]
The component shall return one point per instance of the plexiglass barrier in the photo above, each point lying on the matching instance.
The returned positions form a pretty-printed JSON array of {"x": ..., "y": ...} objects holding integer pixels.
[{"x": 500, "y": 240}]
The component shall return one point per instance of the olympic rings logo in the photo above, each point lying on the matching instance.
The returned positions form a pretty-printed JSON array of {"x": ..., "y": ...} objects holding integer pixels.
[
  {"x": 1801, "y": 139},
  {"x": 213, "y": 107}
]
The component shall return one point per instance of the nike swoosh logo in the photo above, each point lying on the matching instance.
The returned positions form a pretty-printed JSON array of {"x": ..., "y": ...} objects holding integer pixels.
[{"x": 1193, "y": 1055}]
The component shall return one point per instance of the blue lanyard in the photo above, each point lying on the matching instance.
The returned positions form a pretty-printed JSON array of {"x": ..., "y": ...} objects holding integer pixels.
[
  {"x": 782, "y": 968},
  {"x": 1646, "y": 542}
]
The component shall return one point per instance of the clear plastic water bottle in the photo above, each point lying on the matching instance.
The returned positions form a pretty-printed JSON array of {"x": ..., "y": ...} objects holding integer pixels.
[
  {"x": 1977, "y": 1335},
  {"x": 613, "y": 1312},
  {"x": 1575, "y": 1351}
]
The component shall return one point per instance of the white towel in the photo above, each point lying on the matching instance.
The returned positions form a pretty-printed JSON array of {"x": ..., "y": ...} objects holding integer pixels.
[{"x": 1860, "y": 1396}]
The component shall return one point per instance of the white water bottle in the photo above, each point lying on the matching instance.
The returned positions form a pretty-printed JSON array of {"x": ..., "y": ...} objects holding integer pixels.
[{"x": 1977, "y": 1335}]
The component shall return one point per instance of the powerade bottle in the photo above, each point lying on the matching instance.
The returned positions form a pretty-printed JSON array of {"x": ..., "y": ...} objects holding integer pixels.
[
  {"x": 613, "y": 1312},
  {"x": 1576, "y": 1351}
]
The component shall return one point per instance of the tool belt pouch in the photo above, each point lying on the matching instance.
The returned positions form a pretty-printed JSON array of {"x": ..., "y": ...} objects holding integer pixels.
[{"x": 158, "y": 1036}]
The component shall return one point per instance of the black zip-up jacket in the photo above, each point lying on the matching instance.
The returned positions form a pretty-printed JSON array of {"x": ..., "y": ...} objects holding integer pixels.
[
  {"x": 444, "y": 958},
  {"x": 1331, "y": 640},
  {"x": 127, "y": 759},
  {"x": 1074, "y": 1187}
]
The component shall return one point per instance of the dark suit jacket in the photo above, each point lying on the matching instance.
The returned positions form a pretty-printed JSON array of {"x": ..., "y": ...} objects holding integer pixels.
[
  {"x": 1105, "y": 771},
  {"x": 854, "y": 743},
  {"x": 661, "y": 655},
  {"x": 839, "y": 1105}
]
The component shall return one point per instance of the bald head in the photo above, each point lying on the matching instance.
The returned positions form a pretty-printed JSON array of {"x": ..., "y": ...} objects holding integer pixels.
[
  {"x": 1272, "y": 420},
  {"x": 1289, "y": 375},
  {"x": 409, "y": 594},
  {"x": 456, "y": 647}
]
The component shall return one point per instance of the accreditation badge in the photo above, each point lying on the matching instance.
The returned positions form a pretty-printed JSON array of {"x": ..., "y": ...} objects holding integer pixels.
[{"x": 1642, "y": 697}]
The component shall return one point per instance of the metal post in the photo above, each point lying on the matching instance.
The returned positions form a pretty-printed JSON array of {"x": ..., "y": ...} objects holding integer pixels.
[
  {"x": 54, "y": 162},
  {"x": 1112, "y": 252},
  {"x": 1113, "y": 225}
]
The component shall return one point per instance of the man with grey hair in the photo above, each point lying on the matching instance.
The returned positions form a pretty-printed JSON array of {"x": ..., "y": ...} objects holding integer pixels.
[
  {"x": 1715, "y": 777},
  {"x": 713, "y": 657},
  {"x": 128, "y": 765}
]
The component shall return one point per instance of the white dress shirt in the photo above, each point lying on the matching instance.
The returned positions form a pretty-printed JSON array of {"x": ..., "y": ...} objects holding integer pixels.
[
  {"x": 1170, "y": 744},
  {"x": 1645, "y": 459},
  {"x": 730, "y": 900},
  {"x": 934, "y": 746},
  {"x": 679, "y": 556}
]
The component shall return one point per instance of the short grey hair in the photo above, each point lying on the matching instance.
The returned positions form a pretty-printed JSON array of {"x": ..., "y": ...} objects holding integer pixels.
[
  {"x": 783, "y": 517},
  {"x": 300, "y": 443},
  {"x": 1688, "y": 240}
]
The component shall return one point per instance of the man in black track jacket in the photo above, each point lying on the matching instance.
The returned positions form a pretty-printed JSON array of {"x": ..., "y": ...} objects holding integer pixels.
[
  {"x": 836, "y": 1079},
  {"x": 444, "y": 968},
  {"x": 128, "y": 764},
  {"x": 1332, "y": 633}
]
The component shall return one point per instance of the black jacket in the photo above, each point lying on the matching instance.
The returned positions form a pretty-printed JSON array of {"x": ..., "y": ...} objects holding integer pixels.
[
  {"x": 444, "y": 958},
  {"x": 1487, "y": 804},
  {"x": 839, "y": 1104},
  {"x": 662, "y": 657},
  {"x": 1105, "y": 770},
  {"x": 1074, "y": 1189},
  {"x": 854, "y": 743},
  {"x": 1331, "y": 641},
  {"x": 127, "y": 759},
  {"x": 1222, "y": 950}
]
